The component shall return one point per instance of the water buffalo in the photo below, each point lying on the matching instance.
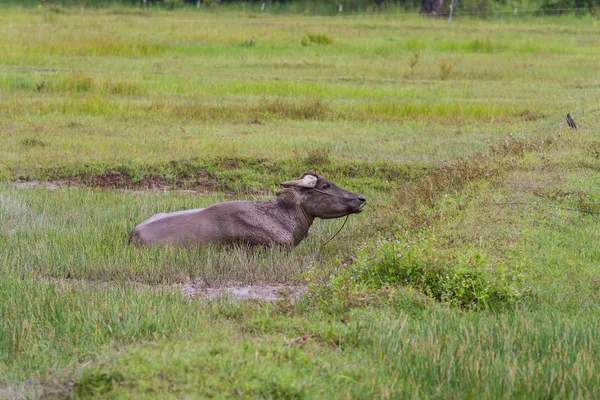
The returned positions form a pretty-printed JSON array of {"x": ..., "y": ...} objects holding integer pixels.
[{"x": 284, "y": 221}]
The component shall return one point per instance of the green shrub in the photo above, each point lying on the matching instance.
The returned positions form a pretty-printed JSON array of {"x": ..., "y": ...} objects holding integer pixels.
[
  {"x": 95, "y": 383},
  {"x": 172, "y": 4},
  {"x": 559, "y": 7},
  {"x": 482, "y": 7},
  {"x": 462, "y": 278}
]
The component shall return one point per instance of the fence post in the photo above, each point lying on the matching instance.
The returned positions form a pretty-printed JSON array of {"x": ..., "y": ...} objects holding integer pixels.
[{"x": 451, "y": 11}]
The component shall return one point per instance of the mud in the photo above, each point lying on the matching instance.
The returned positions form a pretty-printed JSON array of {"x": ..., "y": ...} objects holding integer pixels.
[
  {"x": 197, "y": 288},
  {"x": 20, "y": 184},
  {"x": 107, "y": 182},
  {"x": 201, "y": 181}
]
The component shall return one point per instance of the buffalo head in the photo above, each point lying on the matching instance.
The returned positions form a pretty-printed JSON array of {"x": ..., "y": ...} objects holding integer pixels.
[{"x": 322, "y": 198}]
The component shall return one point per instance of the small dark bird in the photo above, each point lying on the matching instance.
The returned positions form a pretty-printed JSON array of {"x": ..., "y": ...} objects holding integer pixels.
[{"x": 570, "y": 122}]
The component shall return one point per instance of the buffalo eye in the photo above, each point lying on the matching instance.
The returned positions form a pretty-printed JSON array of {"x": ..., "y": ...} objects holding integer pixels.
[{"x": 326, "y": 186}]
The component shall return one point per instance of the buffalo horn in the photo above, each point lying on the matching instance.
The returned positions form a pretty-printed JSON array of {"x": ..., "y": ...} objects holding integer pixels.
[{"x": 307, "y": 181}]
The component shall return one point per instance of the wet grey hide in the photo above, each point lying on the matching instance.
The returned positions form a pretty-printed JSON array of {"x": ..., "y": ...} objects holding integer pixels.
[{"x": 283, "y": 221}]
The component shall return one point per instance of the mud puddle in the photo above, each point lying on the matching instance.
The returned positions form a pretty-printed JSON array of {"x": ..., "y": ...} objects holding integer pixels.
[
  {"x": 268, "y": 292},
  {"x": 198, "y": 289}
]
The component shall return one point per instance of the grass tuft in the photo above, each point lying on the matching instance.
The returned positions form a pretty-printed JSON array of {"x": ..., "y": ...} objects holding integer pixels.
[
  {"x": 32, "y": 142},
  {"x": 249, "y": 42},
  {"x": 124, "y": 87},
  {"x": 79, "y": 82},
  {"x": 446, "y": 67},
  {"x": 55, "y": 9},
  {"x": 304, "y": 109},
  {"x": 40, "y": 86},
  {"x": 316, "y": 39},
  {"x": 96, "y": 383},
  {"x": 531, "y": 115},
  {"x": 318, "y": 157}
]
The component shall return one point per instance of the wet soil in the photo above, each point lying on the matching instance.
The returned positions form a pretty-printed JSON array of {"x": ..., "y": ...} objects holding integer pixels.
[{"x": 268, "y": 292}]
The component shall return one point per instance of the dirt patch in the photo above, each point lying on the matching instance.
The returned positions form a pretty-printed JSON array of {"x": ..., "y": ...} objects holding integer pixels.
[
  {"x": 198, "y": 288},
  {"x": 202, "y": 180},
  {"x": 254, "y": 121},
  {"x": 20, "y": 184},
  {"x": 202, "y": 183},
  {"x": 153, "y": 188},
  {"x": 111, "y": 180},
  {"x": 231, "y": 164}
]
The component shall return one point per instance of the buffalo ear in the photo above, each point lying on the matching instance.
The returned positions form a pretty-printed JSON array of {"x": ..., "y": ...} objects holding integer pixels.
[
  {"x": 289, "y": 196},
  {"x": 307, "y": 181}
]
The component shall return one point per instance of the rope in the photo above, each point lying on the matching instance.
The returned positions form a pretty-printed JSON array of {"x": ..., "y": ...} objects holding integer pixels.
[
  {"x": 339, "y": 230},
  {"x": 318, "y": 252}
]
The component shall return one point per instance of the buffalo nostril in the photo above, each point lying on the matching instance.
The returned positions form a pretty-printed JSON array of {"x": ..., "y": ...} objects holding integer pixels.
[{"x": 362, "y": 198}]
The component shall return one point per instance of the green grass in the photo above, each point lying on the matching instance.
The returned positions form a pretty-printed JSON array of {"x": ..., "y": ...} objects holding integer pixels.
[
  {"x": 198, "y": 82},
  {"x": 473, "y": 271},
  {"x": 424, "y": 358}
]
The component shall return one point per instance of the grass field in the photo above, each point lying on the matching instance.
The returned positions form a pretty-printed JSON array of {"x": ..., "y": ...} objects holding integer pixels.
[{"x": 472, "y": 273}]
